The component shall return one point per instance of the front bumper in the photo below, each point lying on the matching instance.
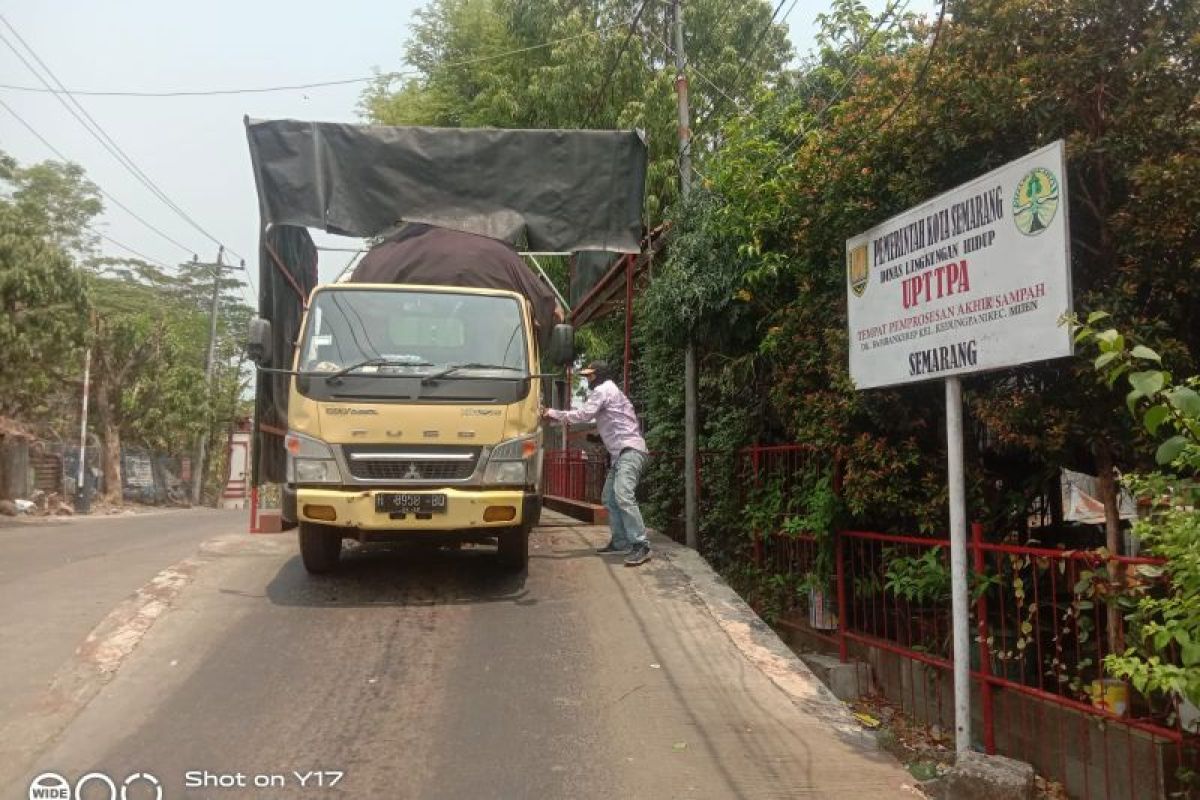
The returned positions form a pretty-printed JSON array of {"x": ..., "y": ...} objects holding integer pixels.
[{"x": 464, "y": 509}]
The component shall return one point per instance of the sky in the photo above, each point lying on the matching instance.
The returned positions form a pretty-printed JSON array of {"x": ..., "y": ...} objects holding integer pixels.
[{"x": 194, "y": 148}]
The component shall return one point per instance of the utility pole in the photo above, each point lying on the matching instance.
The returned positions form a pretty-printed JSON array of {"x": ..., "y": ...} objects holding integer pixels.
[
  {"x": 83, "y": 499},
  {"x": 198, "y": 466},
  {"x": 689, "y": 358}
]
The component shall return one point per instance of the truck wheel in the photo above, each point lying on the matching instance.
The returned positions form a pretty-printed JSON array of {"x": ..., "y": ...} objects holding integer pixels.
[
  {"x": 320, "y": 547},
  {"x": 533, "y": 511},
  {"x": 287, "y": 510},
  {"x": 513, "y": 550}
]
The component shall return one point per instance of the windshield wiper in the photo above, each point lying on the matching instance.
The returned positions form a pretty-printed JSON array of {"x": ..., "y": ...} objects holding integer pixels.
[
  {"x": 374, "y": 362},
  {"x": 433, "y": 376}
]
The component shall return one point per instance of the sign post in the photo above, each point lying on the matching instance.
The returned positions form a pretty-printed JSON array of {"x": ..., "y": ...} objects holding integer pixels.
[
  {"x": 975, "y": 279},
  {"x": 959, "y": 613}
]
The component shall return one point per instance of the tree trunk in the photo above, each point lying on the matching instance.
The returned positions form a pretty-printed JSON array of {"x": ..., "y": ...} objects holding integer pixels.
[
  {"x": 111, "y": 431},
  {"x": 1107, "y": 484}
]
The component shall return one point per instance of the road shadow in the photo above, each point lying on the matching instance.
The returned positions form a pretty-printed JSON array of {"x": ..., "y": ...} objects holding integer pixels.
[{"x": 402, "y": 575}]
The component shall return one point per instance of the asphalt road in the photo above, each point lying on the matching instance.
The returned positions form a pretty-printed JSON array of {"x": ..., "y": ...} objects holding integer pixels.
[
  {"x": 432, "y": 674},
  {"x": 60, "y": 577}
]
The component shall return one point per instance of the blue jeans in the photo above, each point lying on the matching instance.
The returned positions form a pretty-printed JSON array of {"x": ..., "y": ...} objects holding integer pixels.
[{"x": 620, "y": 498}]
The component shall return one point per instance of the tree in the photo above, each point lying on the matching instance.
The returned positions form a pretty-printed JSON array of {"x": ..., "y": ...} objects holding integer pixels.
[
  {"x": 57, "y": 199},
  {"x": 885, "y": 119},
  {"x": 147, "y": 328},
  {"x": 42, "y": 314},
  {"x": 470, "y": 74},
  {"x": 148, "y": 382}
]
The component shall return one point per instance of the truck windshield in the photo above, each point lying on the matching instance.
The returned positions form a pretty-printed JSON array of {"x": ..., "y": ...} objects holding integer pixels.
[{"x": 413, "y": 333}]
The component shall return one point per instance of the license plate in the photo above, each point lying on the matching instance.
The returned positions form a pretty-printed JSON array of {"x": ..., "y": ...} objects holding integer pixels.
[{"x": 411, "y": 503}]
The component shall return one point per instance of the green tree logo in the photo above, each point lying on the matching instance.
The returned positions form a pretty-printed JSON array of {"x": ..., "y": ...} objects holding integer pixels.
[{"x": 1035, "y": 201}]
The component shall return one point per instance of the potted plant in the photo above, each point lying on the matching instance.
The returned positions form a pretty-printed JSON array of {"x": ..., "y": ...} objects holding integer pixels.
[{"x": 819, "y": 517}]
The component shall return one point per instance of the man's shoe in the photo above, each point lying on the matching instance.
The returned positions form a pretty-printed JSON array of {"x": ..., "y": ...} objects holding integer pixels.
[
  {"x": 611, "y": 548},
  {"x": 640, "y": 554}
]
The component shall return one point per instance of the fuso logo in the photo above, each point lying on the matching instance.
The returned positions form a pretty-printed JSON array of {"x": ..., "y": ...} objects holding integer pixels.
[{"x": 52, "y": 786}]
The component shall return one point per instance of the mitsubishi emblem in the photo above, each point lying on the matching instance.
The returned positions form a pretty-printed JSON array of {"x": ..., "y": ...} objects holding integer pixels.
[{"x": 413, "y": 473}]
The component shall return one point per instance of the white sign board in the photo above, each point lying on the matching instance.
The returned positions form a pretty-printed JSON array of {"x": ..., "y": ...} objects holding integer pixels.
[{"x": 975, "y": 279}]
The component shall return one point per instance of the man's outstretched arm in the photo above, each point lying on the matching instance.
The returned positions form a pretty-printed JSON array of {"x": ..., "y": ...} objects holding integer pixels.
[{"x": 585, "y": 413}]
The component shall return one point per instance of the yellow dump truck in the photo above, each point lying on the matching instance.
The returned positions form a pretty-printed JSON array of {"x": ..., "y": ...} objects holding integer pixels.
[
  {"x": 414, "y": 410},
  {"x": 404, "y": 401}
]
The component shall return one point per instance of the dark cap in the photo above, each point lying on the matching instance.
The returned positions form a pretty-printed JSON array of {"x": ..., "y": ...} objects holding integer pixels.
[{"x": 598, "y": 368}]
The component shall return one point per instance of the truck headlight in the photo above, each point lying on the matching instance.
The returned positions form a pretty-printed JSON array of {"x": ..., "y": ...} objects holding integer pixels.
[
  {"x": 310, "y": 460},
  {"x": 512, "y": 462}
]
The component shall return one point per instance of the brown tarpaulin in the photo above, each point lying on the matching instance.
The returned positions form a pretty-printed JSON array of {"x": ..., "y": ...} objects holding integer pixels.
[{"x": 425, "y": 255}]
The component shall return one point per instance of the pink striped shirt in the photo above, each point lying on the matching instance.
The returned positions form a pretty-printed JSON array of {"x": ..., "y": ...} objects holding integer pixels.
[{"x": 613, "y": 413}]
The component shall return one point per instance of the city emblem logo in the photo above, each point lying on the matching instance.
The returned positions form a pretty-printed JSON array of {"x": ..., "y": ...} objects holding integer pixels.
[
  {"x": 1035, "y": 202},
  {"x": 858, "y": 269}
]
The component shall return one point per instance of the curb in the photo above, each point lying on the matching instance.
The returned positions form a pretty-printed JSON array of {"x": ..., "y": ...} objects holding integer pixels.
[{"x": 761, "y": 646}]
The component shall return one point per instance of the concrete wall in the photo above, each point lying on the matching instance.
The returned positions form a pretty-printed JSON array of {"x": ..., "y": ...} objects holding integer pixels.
[
  {"x": 1091, "y": 758},
  {"x": 15, "y": 471}
]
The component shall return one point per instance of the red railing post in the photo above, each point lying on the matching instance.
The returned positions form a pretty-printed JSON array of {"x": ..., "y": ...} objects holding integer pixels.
[
  {"x": 985, "y": 663},
  {"x": 757, "y": 535},
  {"x": 254, "y": 510},
  {"x": 843, "y": 617}
]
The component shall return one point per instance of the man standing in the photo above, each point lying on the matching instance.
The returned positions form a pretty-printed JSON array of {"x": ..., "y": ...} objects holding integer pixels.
[{"x": 619, "y": 430}]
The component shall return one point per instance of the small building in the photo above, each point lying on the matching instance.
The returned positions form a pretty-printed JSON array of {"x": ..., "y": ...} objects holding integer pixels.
[{"x": 236, "y": 493}]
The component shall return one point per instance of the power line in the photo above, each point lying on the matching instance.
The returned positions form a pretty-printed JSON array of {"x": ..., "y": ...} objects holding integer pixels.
[
  {"x": 745, "y": 61},
  {"x": 192, "y": 92},
  {"x": 890, "y": 10},
  {"x": 126, "y": 247},
  {"x": 95, "y": 129},
  {"x": 296, "y": 86},
  {"x": 917, "y": 83},
  {"x": 692, "y": 66},
  {"x": 117, "y": 202},
  {"x": 99, "y": 188},
  {"x": 98, "y": 132},
  {"x": 612, "y": 69}
]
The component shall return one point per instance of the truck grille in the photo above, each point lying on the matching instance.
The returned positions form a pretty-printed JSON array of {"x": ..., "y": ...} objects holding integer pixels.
[{"x": 416, "y": 467}]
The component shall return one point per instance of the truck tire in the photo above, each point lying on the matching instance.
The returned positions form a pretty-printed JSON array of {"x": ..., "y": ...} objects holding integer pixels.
[
  {"x": 320, "y": 547},
  {"x": 513, "y": 548},
  {"x": 533, "y": 510},
  {"x": 287, "y": 510}
]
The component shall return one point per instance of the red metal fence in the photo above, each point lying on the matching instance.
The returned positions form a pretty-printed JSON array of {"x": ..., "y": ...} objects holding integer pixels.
[
  {"x": 1041, "y": 624},
  {"x": 1042, "y": 631},
  {"x": 574, "y": 474}
]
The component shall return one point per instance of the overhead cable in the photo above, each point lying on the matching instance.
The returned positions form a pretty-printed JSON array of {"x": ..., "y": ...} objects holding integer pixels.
[
  {"x": 612, "y": 69},
  {"x": 98, "y": 132},
  {"x": 895, "y": 6},
  {"x": 99, "y": 188},
  {"x": 745, "y": 62},
  {"x": 295, "y": 86},
  {"x": 126, "y": 247}
]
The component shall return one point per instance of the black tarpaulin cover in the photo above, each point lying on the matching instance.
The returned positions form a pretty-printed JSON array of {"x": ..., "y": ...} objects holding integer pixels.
[
  {"x": 565, "y": 191},
  {"x": 587, "y": 271},
  {"x": 425, "y": 255},
  {"x": 283, "y": 304},
  {"x": 556, "y": 190}
]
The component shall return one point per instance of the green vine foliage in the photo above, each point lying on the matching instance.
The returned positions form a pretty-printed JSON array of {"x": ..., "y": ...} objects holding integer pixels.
[
  {"x": 756, "y": 271},
  {"x": 1164, "y": 625},
  {"x": 820, "y": 515}
]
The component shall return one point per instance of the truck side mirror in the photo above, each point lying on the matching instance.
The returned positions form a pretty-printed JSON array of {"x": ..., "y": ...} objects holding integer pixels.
[
  {"x": 561, "y": 349},
  {"x": 258, "y": 341}
]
